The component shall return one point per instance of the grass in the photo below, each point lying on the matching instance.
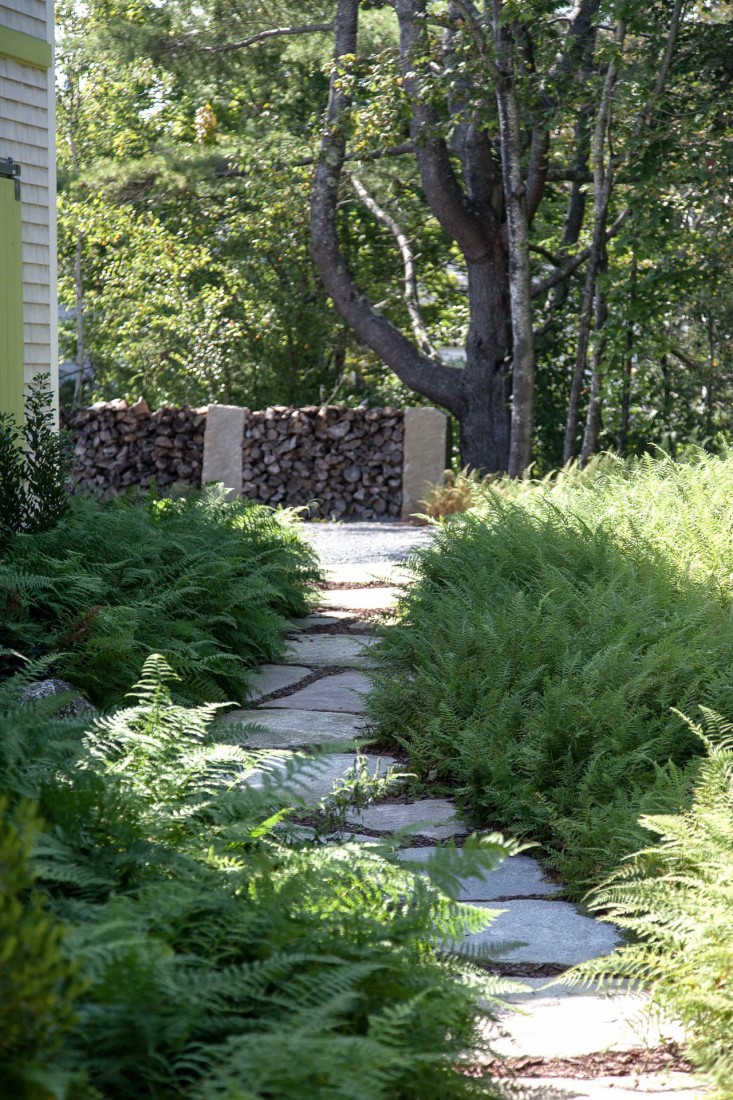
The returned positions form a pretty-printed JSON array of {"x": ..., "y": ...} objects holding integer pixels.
[
  {"x": 551, "y": 638},
  {"x": 207, "y": 582}
]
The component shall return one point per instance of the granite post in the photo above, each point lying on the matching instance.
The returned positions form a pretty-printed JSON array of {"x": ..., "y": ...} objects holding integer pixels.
[
  {"x": 223, "y": 447},
  {"x": 424, "y": 460}
]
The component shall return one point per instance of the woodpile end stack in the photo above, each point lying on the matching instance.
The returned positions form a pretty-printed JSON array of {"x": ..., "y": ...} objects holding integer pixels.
[
  {"x": 118, "y": 446},
  {"x": 346, "y": 462}
]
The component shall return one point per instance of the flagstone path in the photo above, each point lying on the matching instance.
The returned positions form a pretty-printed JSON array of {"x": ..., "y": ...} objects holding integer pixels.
[{"x": 316, "y": 699}]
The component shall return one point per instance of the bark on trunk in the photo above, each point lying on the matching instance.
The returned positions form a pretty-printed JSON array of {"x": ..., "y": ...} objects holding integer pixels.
[
  {"x": 79, "y": 307},
  {"x": 520, "y": 282},
  {"x": 593, "y": 415},
  {"x": 603, "y": 176}
]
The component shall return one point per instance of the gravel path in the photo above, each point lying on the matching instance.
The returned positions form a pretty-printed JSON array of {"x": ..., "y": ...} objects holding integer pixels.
[{"x": 365, "y": 543}]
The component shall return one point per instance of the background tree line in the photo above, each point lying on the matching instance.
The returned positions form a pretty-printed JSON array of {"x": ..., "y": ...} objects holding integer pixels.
[{"x": 542, "y": 187}]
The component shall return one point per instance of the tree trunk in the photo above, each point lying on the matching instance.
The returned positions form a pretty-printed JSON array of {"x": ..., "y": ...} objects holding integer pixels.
[
  {"x": 593, "y": 415},
  {"x": 79, "y": 307},
  {"x": 520, "y": 289},
  {"x": 603, "y": 179},
  {"x": 485, "y": 418},
  {"x": 623, "y": 426}
]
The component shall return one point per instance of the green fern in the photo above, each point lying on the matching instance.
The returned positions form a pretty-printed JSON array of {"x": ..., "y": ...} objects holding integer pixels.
[
  {"x": 207, "y": 581},
  {"x": 676, "y": 899},
  {"x": 551, "y": 636},
  {"x": 217, "y": 959}
]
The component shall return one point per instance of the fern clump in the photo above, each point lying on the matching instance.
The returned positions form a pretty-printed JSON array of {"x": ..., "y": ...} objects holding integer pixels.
[
  {"x": 676, "y": 898},
  {"x": 550, "y": 635},
  {"x": 206, "y": 581},
  {"x": 216, "y": 958}
]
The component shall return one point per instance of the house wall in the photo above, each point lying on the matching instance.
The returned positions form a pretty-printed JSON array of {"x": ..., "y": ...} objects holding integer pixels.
[{"x": 27, "y": 134}]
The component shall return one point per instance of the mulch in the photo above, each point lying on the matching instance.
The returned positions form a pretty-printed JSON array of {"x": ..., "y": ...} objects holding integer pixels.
[
  {"x": 338, "y": 586},
  {"x": 623, "y": 1063}
]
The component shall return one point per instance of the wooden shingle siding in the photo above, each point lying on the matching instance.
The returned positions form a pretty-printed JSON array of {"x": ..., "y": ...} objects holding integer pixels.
[
  {"x": 29, "y": 16},
  {"x": 27, "y": 124}
]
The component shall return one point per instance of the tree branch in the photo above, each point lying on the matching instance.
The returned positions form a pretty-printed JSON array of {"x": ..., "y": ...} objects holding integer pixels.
[
  {"x": 253, "y": 40},
  {"x": 541, "y": 286},
  {"x": 441, "y": 187},
  {"x": 410, "y": 295},
  {"x": 438, "y": 382}
]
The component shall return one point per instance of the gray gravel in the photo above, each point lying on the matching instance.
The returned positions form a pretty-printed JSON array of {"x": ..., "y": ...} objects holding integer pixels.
[{"x": 364, "y": 542}]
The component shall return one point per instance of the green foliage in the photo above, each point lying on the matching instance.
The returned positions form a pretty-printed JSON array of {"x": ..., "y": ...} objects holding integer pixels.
[
  {"x": 676, "y": 898},
  {"x": 37, "y": 986},
  {"x": 206, "y": 581},
  {"x": 218, "y": 960},
  {"x": 548, "y": 638},
  {"x": 34, "y": 466}
]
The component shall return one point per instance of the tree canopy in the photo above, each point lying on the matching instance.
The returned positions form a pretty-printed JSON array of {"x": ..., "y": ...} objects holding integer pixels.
[{"x": 518, "y": 212}]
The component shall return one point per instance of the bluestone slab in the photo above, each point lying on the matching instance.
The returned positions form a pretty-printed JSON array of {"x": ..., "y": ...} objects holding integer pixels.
[
  {"x": 317, "y": 774},
  {"x": 572, "y": 1024},
  {"x": 327, "y": 650},
  {"x": 518, "y": 876},
  {"x": 343, "y": 692},
  {"x": 292, "y": 729},
  {"x": 360, "y": 599},
  {"x": 327, "y": 618},
  {"x": 272, "y": 678},
  {"x": 551, "y": 932},
  {"x": 358, "y": 573},
  {"x": 430, "y": 817}
]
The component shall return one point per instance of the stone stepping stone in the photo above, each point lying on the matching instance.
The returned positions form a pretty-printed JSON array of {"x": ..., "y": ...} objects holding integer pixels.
[
  {"x": 655, "y": 1086},
  {"x": 551, "y": 932},
  {"x": 343, "y": 692},
  {"x": 273, "y": 678},
  {"x": 327, "y": 618},
  {"x": 360, "y": 599},
  {"x": 293, "y": 729},
  {"x": 571, "y": 1023},
  {"x": 356, "y": 573},
  {"x": 517, "y": 876},
  {"x": 328, "y": 650},
  {"x": 430, "y": 817},
  {"x": 318, "y": 773}
]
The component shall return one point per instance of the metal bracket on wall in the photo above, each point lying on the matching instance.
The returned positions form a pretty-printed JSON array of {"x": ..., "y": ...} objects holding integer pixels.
[{"x": 10, "y": 169}]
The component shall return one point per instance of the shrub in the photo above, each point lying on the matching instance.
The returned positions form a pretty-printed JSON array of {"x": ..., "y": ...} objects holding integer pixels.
[
  {"x": 676, "y": 897},
  {"x": 37, "y": 986},
  {"x": 548, "y": 638},
  {"x": 34, "y": 465},
  {"x": 219, "y": 960},
  {"x": 206, "y": 581}
]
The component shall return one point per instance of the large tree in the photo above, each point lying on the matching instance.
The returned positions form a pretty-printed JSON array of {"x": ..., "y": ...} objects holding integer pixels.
[
  {"x": 510, "y": 108},
  {"x": 541, "y": 185}
]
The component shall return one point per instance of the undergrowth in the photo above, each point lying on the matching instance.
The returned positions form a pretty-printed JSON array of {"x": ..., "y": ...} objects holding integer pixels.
[
  {"x": 548, "y": 638},
  {"x": 676, "y": 898},
  {"x": 175, "y": 947},
  {"x": 206, "y": 581}
]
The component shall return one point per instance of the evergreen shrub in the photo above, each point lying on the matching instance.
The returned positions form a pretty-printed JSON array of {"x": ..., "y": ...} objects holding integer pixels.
[
  {"x": 34, "y": 465},
  {"x": 206, "y": 581},
  {"x": 550, "y": 635},
  {"x": 216, "y": 958}
]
